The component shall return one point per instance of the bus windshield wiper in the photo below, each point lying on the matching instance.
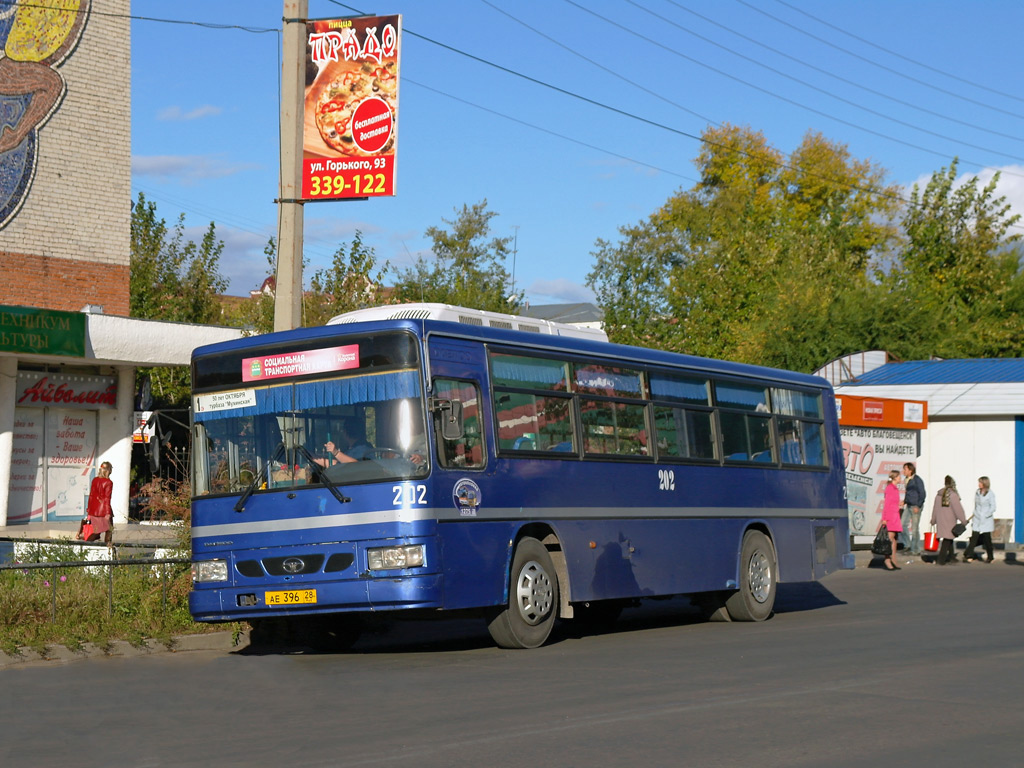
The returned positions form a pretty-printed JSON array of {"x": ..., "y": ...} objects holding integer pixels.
[
  {"x": 255, "y": 482},
  {"x": 319, "y": 472}
]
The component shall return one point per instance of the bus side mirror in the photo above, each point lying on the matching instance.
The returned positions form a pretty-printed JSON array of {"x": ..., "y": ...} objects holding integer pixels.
[{"x": 449, "y": 416}]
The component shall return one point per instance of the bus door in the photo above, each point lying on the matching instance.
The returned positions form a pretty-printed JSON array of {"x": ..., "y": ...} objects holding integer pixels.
[{"x": 457, "y": 372}]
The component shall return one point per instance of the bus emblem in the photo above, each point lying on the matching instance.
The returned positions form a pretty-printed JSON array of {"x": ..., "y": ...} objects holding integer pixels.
[
  {"x": 466, "y": 495},
  {"x": 293, "y": 565}
]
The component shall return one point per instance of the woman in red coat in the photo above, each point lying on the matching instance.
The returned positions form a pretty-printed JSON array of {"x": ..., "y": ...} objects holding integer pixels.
[{"x": 100, "y": 514}]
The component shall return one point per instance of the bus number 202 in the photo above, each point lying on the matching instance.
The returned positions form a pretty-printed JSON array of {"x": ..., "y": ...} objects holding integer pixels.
[
  {"x": 407, "y": 495},
  {"x": 666, "y": 480}
]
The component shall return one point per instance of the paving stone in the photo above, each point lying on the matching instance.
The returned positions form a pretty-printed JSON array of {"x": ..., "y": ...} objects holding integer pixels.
[
  {"x": 90, "y": 650},
  {"x": 210, "y": 641},
  {"x": 124, "y": 648},
  {"x": 60, "y": 653}
]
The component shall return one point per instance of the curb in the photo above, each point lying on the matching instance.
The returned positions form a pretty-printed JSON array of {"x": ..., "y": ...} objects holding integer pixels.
[{"x": 60, "y": 654}]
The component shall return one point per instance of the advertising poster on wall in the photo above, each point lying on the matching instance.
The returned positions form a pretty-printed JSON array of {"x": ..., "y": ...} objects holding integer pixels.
[
  {"x": 25, "y": 492},
  {"x": 879, "y": 435},
  {"x": 870, "y": 455},
  {"x": 350, "y": 109},
  {"x": 70, "y": 454}
]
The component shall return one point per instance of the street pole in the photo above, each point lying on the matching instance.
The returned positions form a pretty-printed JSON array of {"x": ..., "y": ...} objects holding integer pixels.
[{"x": 288, "y": 298}]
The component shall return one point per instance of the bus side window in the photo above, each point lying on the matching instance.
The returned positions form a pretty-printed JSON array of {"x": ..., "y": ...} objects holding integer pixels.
[{"x": 468, "y": 451}]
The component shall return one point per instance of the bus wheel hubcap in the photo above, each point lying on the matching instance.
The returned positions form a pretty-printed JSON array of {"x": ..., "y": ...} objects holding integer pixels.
[
  {"x": 760, "y": 577},
  {"x": 534, "y": 593}
]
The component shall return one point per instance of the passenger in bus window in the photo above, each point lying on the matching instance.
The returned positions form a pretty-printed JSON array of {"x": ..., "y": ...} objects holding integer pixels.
[
  {"x": 791, "y": 450},
  {"x": 353, "y": 440}
]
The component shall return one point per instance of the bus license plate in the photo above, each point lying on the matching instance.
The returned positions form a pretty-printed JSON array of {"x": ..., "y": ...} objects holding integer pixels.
[{"x": 290, "y": 597}]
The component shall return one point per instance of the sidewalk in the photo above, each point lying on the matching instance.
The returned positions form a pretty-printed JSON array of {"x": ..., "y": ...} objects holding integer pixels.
[
  {"x": 865, "y": 558},
  {"x": 131, "y": 533}
]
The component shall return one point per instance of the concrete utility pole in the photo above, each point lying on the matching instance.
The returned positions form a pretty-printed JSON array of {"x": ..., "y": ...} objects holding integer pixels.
[{"x": 288, "y": 301}]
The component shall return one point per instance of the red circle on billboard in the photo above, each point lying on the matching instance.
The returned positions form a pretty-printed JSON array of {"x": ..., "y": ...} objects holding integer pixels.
[{"x": 372, "y": 124}]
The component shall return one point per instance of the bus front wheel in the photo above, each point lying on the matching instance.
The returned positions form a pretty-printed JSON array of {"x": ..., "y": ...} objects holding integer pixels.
[
  {"x": 758, "y": 576},
  {"x": 527, "y": 619}
]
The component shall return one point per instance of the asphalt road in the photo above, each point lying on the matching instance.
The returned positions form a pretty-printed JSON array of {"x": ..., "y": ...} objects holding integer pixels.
[{"x": 920, "y": 667}]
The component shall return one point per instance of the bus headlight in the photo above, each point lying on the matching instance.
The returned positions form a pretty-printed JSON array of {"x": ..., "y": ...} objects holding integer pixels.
[
  {"x": 386, "y": 558},
  {"x": 210, "y": 570}
]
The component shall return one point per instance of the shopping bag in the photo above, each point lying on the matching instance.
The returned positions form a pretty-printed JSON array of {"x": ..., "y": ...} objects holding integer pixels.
[
  {"x": 931, "y": 542},
  {"x": 86, "y": 531},
  {"x": 881, "y": 545}
]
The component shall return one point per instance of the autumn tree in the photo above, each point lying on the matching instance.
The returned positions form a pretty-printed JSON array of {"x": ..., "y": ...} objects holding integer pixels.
[
  {"x": 466, "y": 267},
  {"x": 748, "y": 263}
]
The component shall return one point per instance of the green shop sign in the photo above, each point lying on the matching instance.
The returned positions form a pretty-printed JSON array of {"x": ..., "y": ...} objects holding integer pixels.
[{"x": 42, "y": 331}]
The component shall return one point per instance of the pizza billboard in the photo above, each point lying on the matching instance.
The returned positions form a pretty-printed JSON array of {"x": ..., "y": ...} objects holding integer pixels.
[{"x": 350, "y": 107}]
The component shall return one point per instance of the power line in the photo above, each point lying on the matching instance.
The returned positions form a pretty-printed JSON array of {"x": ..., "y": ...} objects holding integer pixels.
[
  {"x": 876, "y": 64},
  {"x": 768, "y": 92},
  {"x": 112, "y": 15},
  {"x": 840, "y": 78},
  {"x": 905, "y": 58},
  {"x": 662, "y": 126},
  {"x": 600, "y": 66}
]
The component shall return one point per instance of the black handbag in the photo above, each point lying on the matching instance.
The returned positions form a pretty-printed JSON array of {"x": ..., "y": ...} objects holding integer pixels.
[
  {"x": 958, "y": 529},
  {"x": 882, "y": 545}
]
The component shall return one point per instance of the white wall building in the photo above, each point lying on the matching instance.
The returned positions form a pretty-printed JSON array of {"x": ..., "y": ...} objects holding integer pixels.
[{"x": 975, "y": 424}]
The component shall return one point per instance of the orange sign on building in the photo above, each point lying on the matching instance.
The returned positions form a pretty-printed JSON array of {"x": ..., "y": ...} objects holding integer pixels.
[{"x": 881, "y": 412}]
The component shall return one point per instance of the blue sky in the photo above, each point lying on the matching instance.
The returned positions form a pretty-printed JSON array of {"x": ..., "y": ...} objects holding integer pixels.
[{"x": 907, "y": 84}]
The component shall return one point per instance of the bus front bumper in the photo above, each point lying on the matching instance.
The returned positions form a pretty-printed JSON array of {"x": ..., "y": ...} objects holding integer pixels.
[{"x": 383, "y": 593}]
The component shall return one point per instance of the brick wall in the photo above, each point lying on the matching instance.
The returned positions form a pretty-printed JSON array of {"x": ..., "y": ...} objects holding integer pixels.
[
  {"x": 68, "y": 246},
  {"x": 68, "y": 284}
]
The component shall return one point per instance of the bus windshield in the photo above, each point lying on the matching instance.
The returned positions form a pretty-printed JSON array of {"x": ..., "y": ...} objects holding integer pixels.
[{"x": 357, "y": 428}]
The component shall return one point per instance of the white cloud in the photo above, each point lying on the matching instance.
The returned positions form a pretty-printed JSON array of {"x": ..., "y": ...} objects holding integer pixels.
[
  {"x": 557, "y": 291},
  {"x": 176, "y": 113},
  {"x": 187, "y": 168}
]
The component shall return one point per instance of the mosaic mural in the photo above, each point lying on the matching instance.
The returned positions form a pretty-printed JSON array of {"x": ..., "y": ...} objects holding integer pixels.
[{"x": 37, "y": 37}]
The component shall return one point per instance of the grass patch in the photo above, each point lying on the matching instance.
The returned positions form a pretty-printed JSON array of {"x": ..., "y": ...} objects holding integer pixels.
[{"x": 73, "y": 606}]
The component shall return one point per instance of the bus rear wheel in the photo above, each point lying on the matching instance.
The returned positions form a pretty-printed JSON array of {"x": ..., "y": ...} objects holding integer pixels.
[
  {"x": 527, "y": 619},
  {"x": 758, "y": 577}
]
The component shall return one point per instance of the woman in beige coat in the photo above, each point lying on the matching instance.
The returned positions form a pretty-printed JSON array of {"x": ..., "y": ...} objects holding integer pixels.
[{"x": 947, "y": 511}]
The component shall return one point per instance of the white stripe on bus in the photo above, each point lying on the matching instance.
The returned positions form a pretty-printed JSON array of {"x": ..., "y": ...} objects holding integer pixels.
[{"x": 511, "y": 513}]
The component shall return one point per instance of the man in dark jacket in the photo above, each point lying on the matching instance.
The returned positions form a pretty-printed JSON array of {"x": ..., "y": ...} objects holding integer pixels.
[{"x": 913, "y": 499}]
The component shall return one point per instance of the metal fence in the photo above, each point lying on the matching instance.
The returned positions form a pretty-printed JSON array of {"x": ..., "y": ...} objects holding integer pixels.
[{"x": 110, "y": 566}]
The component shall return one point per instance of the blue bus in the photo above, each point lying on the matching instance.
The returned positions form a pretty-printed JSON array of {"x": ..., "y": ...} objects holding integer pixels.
[{"x": 428, "y": 459}]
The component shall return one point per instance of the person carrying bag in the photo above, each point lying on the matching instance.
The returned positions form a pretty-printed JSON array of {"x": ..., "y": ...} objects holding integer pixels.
[{"x": 890, "y": 524}]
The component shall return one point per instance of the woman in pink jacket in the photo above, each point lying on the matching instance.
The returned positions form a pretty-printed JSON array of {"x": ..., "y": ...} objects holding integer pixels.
[{"x": 891, "y": 517}]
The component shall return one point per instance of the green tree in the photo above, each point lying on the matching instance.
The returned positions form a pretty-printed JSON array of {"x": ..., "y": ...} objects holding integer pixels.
[
  {"x": 256, "y": 315},
  {"x": 352, "y": 281},
  {"x": 960, "y": 267},
  {"x": 747, "y": 263},
  {"x": 467, "y": 268},
  {"x": 172, "y": 279}
]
